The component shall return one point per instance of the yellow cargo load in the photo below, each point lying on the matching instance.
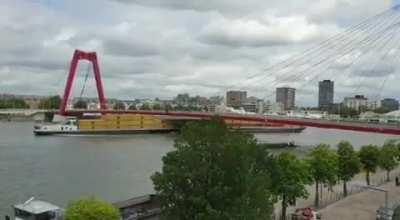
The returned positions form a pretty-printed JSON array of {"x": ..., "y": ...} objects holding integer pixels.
[
  {"x": 123, "y": 121},
  {"x": 121, "y": 117}
]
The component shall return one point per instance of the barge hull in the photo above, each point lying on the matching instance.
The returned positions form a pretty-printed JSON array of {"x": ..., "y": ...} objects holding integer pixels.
[
  {"x": 265, "y": 130},
  {"x": 104, "y": 132}
]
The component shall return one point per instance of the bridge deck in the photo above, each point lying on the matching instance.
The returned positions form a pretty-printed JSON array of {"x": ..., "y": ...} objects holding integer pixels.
[{"x": 329, "y": 124}]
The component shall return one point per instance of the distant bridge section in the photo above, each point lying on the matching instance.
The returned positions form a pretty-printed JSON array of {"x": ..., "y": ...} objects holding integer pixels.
[
  {"x": 26, "y": 112},
  {"x": 317, "y": 123},
  {"x": 23, "y": 114}
]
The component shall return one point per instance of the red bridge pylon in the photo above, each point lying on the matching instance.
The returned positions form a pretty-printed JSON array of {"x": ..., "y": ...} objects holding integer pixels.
[{"x": 89, "y": 56}]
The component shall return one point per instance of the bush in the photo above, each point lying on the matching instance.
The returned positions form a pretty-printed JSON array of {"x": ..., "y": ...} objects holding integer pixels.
[{"x": 91, "y": 209}]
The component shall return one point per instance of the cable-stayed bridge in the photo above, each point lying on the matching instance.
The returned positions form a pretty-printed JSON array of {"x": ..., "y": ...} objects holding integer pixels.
[{"x": 364, "y": 56}]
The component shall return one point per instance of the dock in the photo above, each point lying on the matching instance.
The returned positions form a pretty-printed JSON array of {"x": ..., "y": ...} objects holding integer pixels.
[{"x": 140, "y": 208}]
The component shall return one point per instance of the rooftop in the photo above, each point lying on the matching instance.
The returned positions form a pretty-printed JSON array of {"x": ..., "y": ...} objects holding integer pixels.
[
  {"x": 134, "y": 201},
  {"x": 36, "y": 206}
]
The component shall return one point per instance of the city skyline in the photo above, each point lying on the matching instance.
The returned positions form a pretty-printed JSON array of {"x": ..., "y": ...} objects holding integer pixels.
[
  {"x": 186, "y": 58},
  {"x": 238, "y": 99}
]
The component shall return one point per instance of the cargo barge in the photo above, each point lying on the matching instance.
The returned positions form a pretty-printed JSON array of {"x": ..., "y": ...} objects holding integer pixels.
[
  {"x": 107, "y": 124},
  {"x": 115, "y": 124}
]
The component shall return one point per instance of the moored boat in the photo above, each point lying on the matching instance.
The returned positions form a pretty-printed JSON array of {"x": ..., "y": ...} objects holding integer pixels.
[{"x": 34, "y": 209}]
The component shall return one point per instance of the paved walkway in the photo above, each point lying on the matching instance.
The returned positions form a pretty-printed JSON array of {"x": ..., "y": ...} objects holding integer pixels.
[{"x": 361, "y": 206}]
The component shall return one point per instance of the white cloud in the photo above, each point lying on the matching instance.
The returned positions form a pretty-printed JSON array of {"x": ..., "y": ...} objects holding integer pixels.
[
  {"x": 270, "y": 30},
  {"x": 157, "y": 48}
]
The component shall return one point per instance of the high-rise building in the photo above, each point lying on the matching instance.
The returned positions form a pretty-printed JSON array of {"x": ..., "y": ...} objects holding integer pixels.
[
  {"x": 273, "y": 107},
  {"x": 235, "y": 99},
  {"x": 325, "y": 94},
  {"x": 390, "y": 104},
  {"x": 373, "y": 105},
  {"x": 357, "y": 102},
  {"x": 286, "y": 96}
]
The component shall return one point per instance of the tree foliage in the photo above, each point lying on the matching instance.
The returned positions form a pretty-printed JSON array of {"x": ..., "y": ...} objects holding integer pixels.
[
  {"x": 323, "y": 164},
  {"x": 132, "y": 107},
  {"x": 388, "y": 157},
  {"x": 145, "y": 106},
  {"x": 215, "y": 173},
  {"x": 91, "y": 209},
  {"x": 345, "y": 112},
  {"x": 157, "y": 106},
  {"x": 119, "y": 106},
  {"x": 382, "y": 110},
  {"x": 369, "y": 157},
  {"x": 52, "y": 102},
  {"x": 348, "y": 162},
  {"x": 81, "y": 104},
  {"x": 290, "y": 179},
  {"x": 13, "y": 103}
]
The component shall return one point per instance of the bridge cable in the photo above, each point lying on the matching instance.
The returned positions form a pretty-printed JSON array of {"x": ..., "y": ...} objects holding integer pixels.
[
  {"x": 387, "y": 76},
  {"x": 364, "y": 42},
  {"x": 342, "y": 46},
  {"x": 321, "y": 47},
  {"x": 85, "y": 81},
  {"x": 348, "y": 50},
  {"x": 390, "y": 47},
  {"x": 346, "y": 70}
]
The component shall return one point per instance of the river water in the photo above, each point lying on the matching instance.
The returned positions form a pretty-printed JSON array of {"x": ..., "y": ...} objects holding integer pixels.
[{"x": 62, "y": 168}]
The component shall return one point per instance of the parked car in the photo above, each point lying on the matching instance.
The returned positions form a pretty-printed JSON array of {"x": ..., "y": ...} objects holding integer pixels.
[
  {"x": 306, "y": 214},
  {"x": 384, "y": 213}
]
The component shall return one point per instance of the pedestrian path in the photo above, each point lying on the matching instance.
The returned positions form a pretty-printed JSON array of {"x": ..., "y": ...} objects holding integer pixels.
[{"x": 361, "y": 206}]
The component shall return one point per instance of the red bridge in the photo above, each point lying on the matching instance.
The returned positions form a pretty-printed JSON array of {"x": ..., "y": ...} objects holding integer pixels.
[{"x": 92, "y": 57}]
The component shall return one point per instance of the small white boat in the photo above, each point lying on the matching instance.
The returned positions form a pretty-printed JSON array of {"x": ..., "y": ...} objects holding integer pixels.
[
  {"x": 99, "y": 126},
  {"x": 37, "y": 210},
  {"x": 69, "y": 126}
]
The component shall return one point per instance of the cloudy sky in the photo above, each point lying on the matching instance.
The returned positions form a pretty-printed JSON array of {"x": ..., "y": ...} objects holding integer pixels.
[{"x": 158, "y": 48}]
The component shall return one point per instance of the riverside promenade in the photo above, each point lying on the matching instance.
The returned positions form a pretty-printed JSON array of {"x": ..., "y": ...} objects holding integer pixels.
[{"x": 362, "y": 205}]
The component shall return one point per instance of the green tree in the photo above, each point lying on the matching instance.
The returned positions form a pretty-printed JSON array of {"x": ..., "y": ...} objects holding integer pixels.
[
  {"x": 216, "y": 174},
  {"x": 91, "y": 209},
  {"x": 14, "y": 103},
  {"x": 132, "y": 107},
  {"x": 80, "y": 104},
  {"x": 145, "y": 106},
  {"x": 388, "y": 158},
  {"x": 119, "y": 106},
  {"x": 179, "y": 108},
  {"x": 348, "y": 162},
  {"x": 323, "y": 167},
  {"x": 369, "y": 157},
  {"x": 345, "y": 112},
  {"x": 168, "y": 107},
  {"x": 382, "y": 110},
  {"x": 290, "y": 179},
  {"x": 52, "y": 102},
  {"x": 398, "y": 148},
  {"x": 157, "y": 106}
]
